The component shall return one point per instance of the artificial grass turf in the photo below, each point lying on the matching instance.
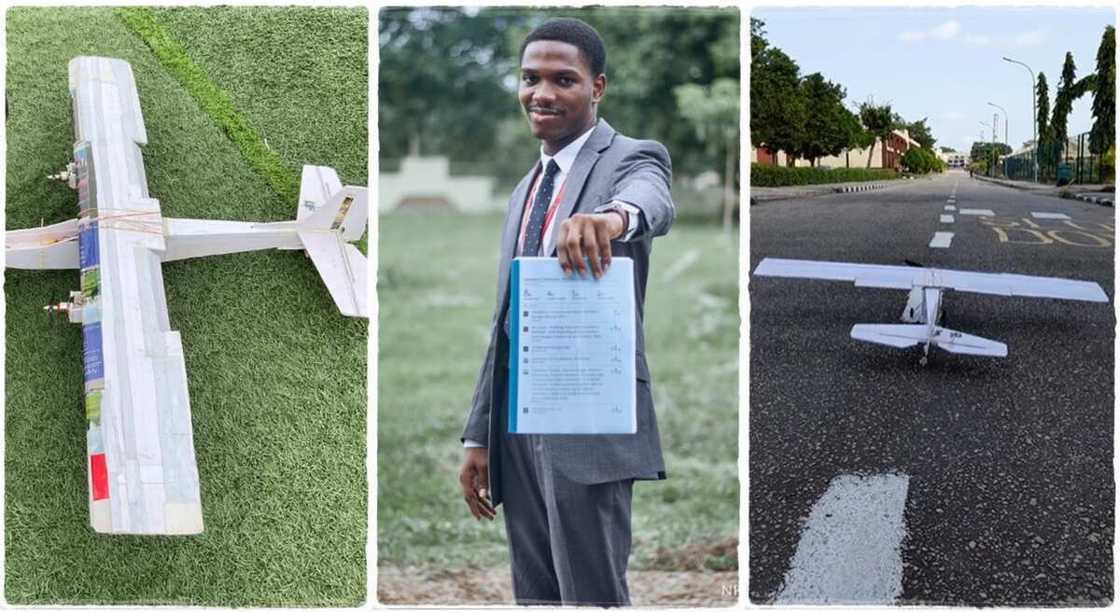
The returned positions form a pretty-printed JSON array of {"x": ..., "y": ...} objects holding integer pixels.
[
  {"x": 276, "y": 374},
  {"x": 436, "y": 291}
]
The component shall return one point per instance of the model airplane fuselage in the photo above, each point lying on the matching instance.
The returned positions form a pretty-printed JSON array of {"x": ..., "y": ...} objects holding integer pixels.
[
  {"x": 924, "y": 307},
  {"x": 143, "y": 478}
]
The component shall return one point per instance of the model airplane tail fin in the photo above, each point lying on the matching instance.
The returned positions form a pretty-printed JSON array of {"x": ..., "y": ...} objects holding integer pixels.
[
  {"x": 324, "y": 203},
  {"x": 330, "y": 216},
  {"x": 967, "y": 344},
  {"x": 897, "y": 335}
]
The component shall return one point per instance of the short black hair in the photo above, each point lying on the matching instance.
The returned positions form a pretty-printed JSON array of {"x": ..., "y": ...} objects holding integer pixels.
[{"x": 574, "y": 32}]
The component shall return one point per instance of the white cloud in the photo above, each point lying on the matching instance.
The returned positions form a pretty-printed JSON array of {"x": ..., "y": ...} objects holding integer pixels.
[
  {"x": 978, "y": 39},
  {"x": 1033, "y": 38},
  {"x": 944, "y": 31},
  {"x": 947, "y": 30}
]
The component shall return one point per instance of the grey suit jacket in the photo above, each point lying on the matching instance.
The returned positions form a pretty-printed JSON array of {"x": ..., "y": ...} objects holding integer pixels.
[{"x": 609, "y": 167}]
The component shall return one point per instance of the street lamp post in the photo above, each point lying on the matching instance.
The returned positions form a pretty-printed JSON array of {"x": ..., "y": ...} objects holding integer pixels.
[
  {"x": 1006, "y": 140},
  {"x": 1034, "y": 113}
]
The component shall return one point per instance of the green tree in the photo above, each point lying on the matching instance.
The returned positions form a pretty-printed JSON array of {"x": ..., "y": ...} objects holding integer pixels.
[
  {"x": 714, "y": 112},
  {"x": 825, "y": 131},
  {"x": 879, "y": 121},
  {"x": 1042, "y": 147},
  {"x": 778, "y": 110},
  {"x": 920, "y": 132},
  {"x": 1063, "y": 104},
  {"x": 1103, "y": 134}
]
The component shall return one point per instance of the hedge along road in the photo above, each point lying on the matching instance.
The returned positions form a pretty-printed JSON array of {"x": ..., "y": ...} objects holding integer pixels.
[{"x": 1009, "y": 461}]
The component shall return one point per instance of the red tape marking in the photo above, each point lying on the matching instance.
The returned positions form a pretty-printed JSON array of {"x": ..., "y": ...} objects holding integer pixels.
[{"x": 99, "y": 476}]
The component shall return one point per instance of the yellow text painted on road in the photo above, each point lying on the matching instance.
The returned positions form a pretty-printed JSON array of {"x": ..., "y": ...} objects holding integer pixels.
[{"x": 1065, "y": 232}]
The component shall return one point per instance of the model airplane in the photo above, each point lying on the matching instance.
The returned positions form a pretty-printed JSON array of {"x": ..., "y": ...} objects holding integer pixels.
[
  {"x": 143, "y": 478},
  {"x": 923, "y": 310}
]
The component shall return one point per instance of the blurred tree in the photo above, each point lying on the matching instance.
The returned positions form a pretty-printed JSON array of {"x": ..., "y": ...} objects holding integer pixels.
[
  {"x": 448, "y": 80},
  {"x": 714, "y": 113},
  {"x": 439, "y": 80}
]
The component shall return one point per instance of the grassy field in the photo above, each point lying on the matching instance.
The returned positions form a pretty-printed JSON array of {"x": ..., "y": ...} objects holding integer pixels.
[
  {"x": 277, "y": 377},
  {"x": 436, "y": 291}
]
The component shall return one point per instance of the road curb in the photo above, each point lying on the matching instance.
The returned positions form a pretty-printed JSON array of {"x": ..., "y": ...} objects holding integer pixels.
[
  {"x": 1106, "y": 200},
  {"x": 852, "y": 188},
  {"x": 1102, "y": 200}
]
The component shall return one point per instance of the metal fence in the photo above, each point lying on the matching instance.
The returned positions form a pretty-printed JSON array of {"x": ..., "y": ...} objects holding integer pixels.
[{"x": 1073, "y": 161}]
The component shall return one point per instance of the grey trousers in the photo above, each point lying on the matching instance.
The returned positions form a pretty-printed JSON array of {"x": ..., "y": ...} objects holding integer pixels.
[{"x": 569, "y": 542}]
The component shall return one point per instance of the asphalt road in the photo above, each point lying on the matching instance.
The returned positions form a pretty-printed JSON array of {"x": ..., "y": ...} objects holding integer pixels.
[{"x": 1009, "y": 461}]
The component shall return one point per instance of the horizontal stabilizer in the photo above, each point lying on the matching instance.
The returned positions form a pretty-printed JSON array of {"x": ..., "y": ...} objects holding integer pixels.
[
  {"x": 896, "y": 335},
  {"x": 967, "y": 344},
  {"x": 342, "y": 267}
]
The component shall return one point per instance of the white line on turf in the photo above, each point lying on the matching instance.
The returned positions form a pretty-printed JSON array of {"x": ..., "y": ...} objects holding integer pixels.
[
  {"x": 941, "y": 240},
  {"x": 850, "y": 548}
]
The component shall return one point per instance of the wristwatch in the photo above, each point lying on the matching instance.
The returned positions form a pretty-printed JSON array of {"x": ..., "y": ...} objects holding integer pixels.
[{"x": 629, "y": 216}]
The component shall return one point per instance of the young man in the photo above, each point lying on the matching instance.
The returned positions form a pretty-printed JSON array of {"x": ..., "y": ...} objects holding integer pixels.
[{"x": 594, "y": 193}]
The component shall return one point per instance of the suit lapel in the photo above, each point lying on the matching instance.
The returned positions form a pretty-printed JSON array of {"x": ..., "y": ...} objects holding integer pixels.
[
  {"x": 573, "y": 185},
  {"x": 512, "y": 226}
]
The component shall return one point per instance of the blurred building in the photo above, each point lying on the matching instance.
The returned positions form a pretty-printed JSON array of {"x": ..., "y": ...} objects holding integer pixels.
[
  {"x": 953, "y": 159},
  {"x": 425, "y": 183}
]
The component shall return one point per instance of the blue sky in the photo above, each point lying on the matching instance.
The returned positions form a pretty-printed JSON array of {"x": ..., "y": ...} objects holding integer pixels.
[{"x": 944, "y": 63}]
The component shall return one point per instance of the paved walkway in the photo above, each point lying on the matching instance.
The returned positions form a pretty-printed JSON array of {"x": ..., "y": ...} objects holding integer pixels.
[{"x": 1101, "y": 194}]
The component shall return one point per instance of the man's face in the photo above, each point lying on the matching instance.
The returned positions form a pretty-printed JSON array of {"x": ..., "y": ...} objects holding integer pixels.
[{"x": 558, "y": 92}]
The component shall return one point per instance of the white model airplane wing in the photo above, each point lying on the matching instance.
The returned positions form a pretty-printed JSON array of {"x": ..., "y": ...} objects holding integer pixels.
[
  {"x": 142, "y": 473},
  {"x": 1023, "y": 286},
  {"x": 863, "y": 275},
  {"x": 906, "y": 277}
]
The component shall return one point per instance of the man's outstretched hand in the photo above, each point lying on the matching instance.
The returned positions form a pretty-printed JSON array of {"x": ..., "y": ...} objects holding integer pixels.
[
  {"x": 474, "y": 477},
  {"x": 588, "y": 236}
]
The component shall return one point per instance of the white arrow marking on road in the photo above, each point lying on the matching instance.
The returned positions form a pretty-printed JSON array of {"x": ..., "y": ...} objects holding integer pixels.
[
  {"x": 850, "y": 548},
  {"x": 941, "y": 240},
  {"x": 946, "y": 218},
  {"x": 1049, "y": 215},
  {"x": 979, "y": 212},
  {"x": 950, "y": 207}
]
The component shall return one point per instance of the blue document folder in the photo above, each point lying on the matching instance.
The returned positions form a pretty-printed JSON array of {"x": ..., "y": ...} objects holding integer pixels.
[{"x": 572, "y": 349}]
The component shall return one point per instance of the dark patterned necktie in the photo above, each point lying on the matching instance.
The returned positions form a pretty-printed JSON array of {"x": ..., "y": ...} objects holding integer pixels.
[{"x": 533, "y": 232}]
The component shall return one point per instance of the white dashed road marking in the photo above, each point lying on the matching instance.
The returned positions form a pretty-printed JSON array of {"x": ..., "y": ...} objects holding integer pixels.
[
  {"x": 1049, "y": 215},
  {"x": 941, "y": 240},
  {"x": 979, "y": 212},
  {"x": 946, "y": 218},
  {"x": 850, "y": 548},
  {"x": 950, "y": 207}
]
